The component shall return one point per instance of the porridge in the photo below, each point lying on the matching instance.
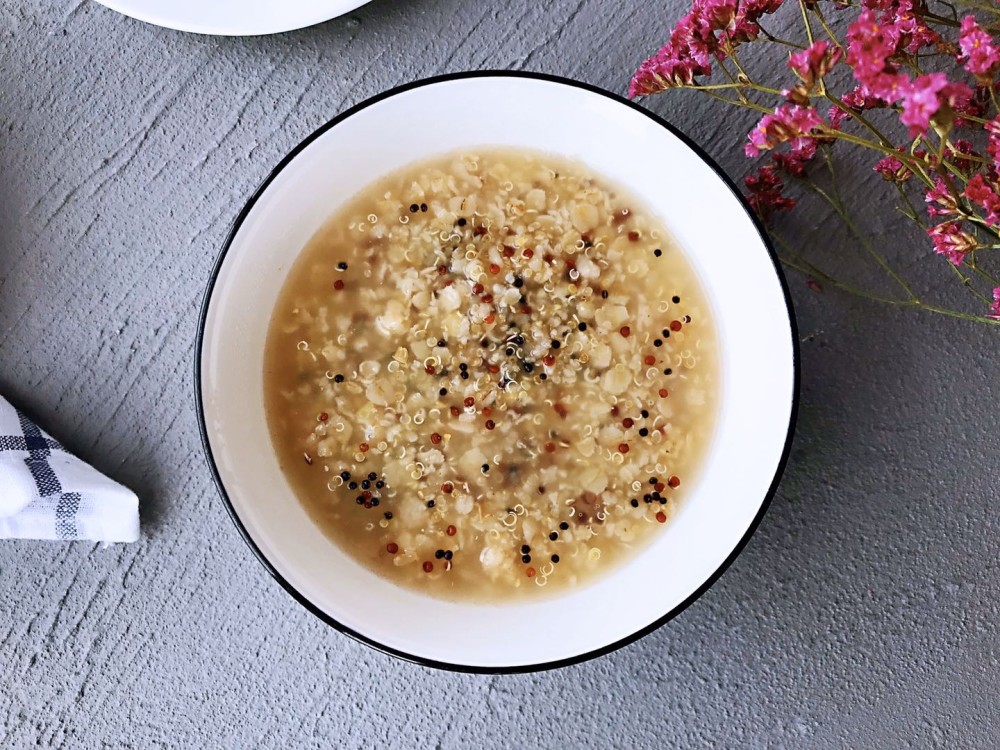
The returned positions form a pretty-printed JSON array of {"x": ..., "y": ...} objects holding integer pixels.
[{"x": 491, "y": 373}]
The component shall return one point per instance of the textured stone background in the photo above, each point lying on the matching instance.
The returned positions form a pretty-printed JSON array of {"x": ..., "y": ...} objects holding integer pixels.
[{"x": 863, "y": 613}]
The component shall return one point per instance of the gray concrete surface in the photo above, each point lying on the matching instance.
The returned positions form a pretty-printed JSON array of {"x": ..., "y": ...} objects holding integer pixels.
[{"x": 863, "y": 613}]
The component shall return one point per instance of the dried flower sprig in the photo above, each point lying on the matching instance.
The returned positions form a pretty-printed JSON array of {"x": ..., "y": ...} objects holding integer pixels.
[{"x": 913, "y": 84}]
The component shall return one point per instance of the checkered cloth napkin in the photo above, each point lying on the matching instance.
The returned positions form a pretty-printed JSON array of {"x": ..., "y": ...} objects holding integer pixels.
[{"x": 47, "y": 493}]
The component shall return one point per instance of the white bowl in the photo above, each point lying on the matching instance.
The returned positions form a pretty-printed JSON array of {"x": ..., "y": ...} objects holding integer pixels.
[
  {"x": 711, "y": 223},
  {"x": 233, "y": 17}
]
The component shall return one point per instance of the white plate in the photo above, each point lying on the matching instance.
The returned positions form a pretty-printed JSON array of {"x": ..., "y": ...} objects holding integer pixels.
[
  {"x": 708, "y": 219},
  {"x": 233, "y": 17}
]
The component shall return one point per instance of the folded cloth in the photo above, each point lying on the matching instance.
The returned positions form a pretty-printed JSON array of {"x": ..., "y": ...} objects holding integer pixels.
[{"x": 47, "y": 493}]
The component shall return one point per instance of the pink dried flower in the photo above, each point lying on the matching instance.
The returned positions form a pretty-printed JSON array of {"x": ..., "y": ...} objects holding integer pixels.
[
  {"x": 765, "y": 195},
  {"x": 788, "y": 122},
  {"x": 952, "y": 242},
  {"x": 711, "y": 27},
  {"x": 796, "y": 160},
  {"x": 926, "y": 95},
  {"x": 984, "y": 195},
  {"x": 892, "y": 169},
  {"x": 960, "y": 151},
  {"x": 815, "y": 61},
  {"x": 909, "y": 28},
  {"x": 683, "y": 57},
  {"x": 939, "y": 200},
  {"x": 993, "y": 140},
  {"x": 745, "y": 27},
  {"x": 981, "y": 57},
  {"x": 995, "y": 307},
  {"x": 961, "y": 100},
  {"x": 920, "y": 102},
  {"x": 859, "y": 99},
  {"x": 868, "y": 51},
  {"x": 674, "y": 65}
]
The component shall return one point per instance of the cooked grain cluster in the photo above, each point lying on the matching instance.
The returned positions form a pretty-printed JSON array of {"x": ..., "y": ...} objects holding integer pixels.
[{"x": 491, "y": 373}]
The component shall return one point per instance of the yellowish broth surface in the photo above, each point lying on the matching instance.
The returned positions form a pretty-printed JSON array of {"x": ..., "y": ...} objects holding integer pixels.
[{"x": 491, "y": 374}]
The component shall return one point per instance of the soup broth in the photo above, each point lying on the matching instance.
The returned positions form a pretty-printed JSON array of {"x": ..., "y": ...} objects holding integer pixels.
[{"x": 491, "y": 374}]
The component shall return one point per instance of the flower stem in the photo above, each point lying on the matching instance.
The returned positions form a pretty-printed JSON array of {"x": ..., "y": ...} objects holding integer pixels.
[
  {"x": 836, "y": 202},
  {"x": 778, "y": 40},
  {"x": 943, "y": 20},
  {"x": 800, "y": 264},
  {"x": 826, "y": 27},
  {"x": 738, "y": 85},
  {"x": 805, "y": 20},
  {"x": 744, "y": 103}
]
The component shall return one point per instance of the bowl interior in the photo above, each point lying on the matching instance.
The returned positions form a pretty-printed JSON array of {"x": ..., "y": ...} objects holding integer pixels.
[{"x": 710, "y": 224}]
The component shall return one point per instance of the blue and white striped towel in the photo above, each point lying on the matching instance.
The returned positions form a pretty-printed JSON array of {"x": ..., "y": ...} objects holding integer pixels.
[{"x": 47, "y": 493}]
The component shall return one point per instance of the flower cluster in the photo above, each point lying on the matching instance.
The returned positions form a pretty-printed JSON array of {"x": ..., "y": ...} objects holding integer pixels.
[
  {"x": 765, "y": 196},
  {"x": 936, "y": 76},
  {"x": 712, "y": 28}
]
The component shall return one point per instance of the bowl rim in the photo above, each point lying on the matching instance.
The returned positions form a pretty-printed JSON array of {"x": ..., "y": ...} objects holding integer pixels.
[{"x": 361, "y": 637}]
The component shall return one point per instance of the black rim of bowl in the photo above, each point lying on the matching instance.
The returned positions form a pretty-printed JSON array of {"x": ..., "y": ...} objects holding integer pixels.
[{"x": 569, "y": 661}]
